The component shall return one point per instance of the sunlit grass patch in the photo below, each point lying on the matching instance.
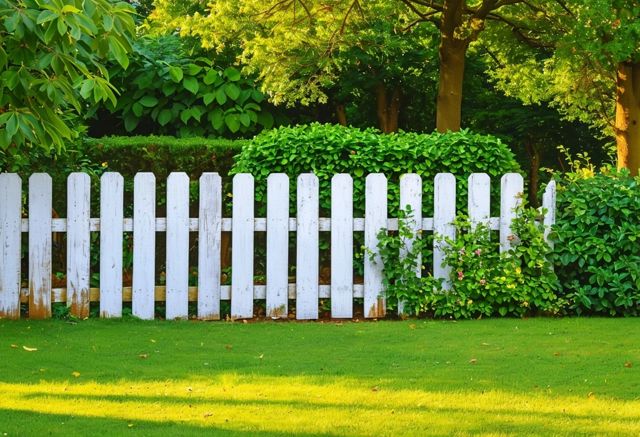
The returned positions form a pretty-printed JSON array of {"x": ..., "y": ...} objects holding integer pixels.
[{"x": 561, "y": 377}]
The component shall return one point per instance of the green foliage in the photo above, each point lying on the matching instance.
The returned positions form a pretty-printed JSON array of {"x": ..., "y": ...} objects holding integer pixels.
[
  {"x": 596, "y": 242},
  {"x": 484, "y": 281},
  {"x": 328, "y": 149},
  {"x": 52, "y": 61},
  {"x": 167, "y": 90}
]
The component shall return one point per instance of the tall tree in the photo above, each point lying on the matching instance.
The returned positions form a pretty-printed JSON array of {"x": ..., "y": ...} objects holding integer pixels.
[{"x": 584, "y": 59}]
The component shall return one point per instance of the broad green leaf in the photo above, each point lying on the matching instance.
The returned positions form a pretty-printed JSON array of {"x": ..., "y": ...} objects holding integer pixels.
[
  {"x": 165, "y": 117},
  {"x": 232, "y": 74},
  {"x": 176, "y": 73},
  {"x": 191, "y": 84},
  {"x": 148, "y": 101}
]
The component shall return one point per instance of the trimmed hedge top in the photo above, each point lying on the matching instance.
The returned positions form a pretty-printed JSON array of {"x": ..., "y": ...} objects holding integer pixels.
[{"x": 328, "y": 149}]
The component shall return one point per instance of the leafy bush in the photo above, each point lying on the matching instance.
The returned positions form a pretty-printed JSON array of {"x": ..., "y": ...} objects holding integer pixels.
[
  {"x": 484, "y": 281},
  {"x": 596, "y": 242},
  {"x": 329, "y": 149},
  {"x": 166, "y": 90}
]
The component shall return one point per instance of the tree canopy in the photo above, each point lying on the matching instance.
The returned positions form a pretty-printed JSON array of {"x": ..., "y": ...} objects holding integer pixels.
[{"x": 51, "y": 60}]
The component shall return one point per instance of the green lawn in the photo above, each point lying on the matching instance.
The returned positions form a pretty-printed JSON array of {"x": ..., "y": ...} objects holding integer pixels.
[{"x": 489, "y": 377}]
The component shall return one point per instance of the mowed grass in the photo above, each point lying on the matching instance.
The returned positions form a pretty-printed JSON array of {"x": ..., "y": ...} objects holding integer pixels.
[{"x": 489, "y": 377}]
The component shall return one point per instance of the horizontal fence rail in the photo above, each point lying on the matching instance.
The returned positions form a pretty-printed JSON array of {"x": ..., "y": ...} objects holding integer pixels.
[{"x": 209, "y": 226}]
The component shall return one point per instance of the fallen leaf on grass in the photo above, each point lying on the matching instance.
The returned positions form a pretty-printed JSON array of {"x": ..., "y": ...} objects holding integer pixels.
[
  {"x": 375, "y": 388},
  {"x": 228, "y": 347},
  {"x": 412, "y": 326},
  {"x": 473, "y": 361},
  {"x": 14, "y": 346},
  {"x": 591, "y": 395},
  {"x": 76, "y": 374},
  {"x": 143, "y": 356},
  {"x": 628, "y": 364},
  {"x": 30, "y": 349},
  {"x": 208, "y": 415},
  {"x": 556, "y": 354}
]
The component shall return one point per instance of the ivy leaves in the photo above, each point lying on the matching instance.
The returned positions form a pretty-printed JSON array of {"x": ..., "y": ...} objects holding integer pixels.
[{"x": 179, "y": 93}]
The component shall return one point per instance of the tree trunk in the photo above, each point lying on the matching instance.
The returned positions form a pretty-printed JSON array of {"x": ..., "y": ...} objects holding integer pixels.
[
  {"x": 627, "y": 127},
  {"x": 388, "y": 108},
  {"x": 534, "y": 169},
  {"x": 341, "y": 114},
  {"x": 452, "y": 52}
]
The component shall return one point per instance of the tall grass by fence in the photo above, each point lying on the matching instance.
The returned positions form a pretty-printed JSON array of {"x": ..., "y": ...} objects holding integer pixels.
[{"x": 177, "y": 226}]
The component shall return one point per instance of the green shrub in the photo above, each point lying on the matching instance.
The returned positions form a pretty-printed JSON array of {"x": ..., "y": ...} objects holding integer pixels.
[
  {"x": 597, "y": 247},
  {"x": 168, "y": 89},
  {"x": 484, "y": 281},
  {"x": 329, "y": 149}
]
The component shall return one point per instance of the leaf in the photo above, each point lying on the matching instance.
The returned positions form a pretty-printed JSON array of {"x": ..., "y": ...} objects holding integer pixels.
[
  {"x": 233, "y": 122},
  {"x": 46, "y": 16},
  {"x": 208, "y": 98},
  {"x": 165, "y": 117},
  {"x": 232, "y": 91},
  {"x": 211, "y": 76},
  {"x": 75, "y": 374},
  {"x": 30, "y": 349},
  {"x": 176, "y": 74},
  {"x": 148, "y": 101},
  {"x": 221, "y": 96},
  {"x": 191, "y": 84},
  {"x": 232, "y": 74},
  {"x": 137, "y": 109}
]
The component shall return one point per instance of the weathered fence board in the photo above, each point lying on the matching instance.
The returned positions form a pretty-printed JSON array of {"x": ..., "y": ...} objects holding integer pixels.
[
  {"x": 242, "y": 247},
  {"x": 444, "y": 213},
  {"x": 40, "y": 206},
  {"x": 375, "y": 220},
  {"x": 78, "y": 243},
  {"x": 209, "y": 239},
  {"x": 411, "y": 204},
  {"x": 549, "y": 206},
  {"x": 177, "y": 246},
  {"x": 10, "y": 240},
  {"x": 307, "y": 255},
  {"x": 277, "y": 245},
  {"x": 511, "y": 189},
  {"x": 111, "y": 233},
  {"x": 342, "y": 246},
  {"x": 479, "y": 200},
  {"x": 144, "y": 245}
]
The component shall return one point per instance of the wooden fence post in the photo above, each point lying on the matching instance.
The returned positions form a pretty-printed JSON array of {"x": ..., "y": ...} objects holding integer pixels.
[
  {"x": 375, "y": 221},
  {"x": 242, "y": 247},
  {"x": 341, "y": 246},
  {"x": 308, "y": 252},
  {"x": 10, "y": 242},
  {"x": 411, "y": 196},
  {"x": 177, "y": 246},
  {"x": 511, "y": 189},
  {"x": 444, "y": 213},
  {"x": 111, "y": 232},
  {"x": 40, "y": 205},
  {"x": 277, "y": 245},
  {"x": 78, "y": 243},
  {"x": 209, "y": 236},
  {"x": 144, "y": 246}
]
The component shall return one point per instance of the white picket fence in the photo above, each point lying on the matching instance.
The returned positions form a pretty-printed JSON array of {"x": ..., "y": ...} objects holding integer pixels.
[{"x": 209, "y": 225}]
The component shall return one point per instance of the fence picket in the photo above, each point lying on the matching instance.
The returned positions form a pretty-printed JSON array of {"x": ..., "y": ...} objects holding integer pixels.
[
  {"x": 242, "y": 247},
  {"x": 342, "y": 246},
  {"x": 479, "y": 200},
  {"x": 411, "y": 197},
  {"x": 307, "y": 257},
  {"x": 144, "y": 245},
  {"x": 511, "y": 189},
  {"x": 78, "y": 243},
  {"x": 10, "y": 242},
  {"x": 375, "y": 221},
  {"x": 444, "y": 213},
  {"x": 277, "y": 245},
  {"x": 549, "y": 205},
  {"x": 177, "y": 246},
  {"x": 40, "y": 206},
  {"x": 209, "y": 237},
  {"x": 111, "y": 232}
]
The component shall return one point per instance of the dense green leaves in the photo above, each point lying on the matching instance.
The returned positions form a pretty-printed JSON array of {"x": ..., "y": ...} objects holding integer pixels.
[
  {"x": 51, "y": 59},
  {"x": 328, "y": 149},
  {"x": 168, "y": 90},
  {"x": 596, "y": 243}
]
